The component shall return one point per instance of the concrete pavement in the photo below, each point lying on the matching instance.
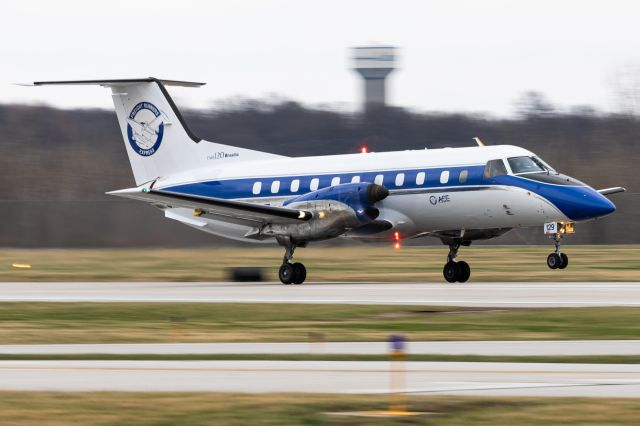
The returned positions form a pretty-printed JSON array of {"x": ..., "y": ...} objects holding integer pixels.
[
  {"x": 512, "y": 379},
  {"x": 487, "y": 348},
  {"x": 471, "y": 294}
]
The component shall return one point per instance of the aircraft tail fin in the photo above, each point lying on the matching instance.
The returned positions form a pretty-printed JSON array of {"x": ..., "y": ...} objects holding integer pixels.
[{"x": 157, "y": 139}]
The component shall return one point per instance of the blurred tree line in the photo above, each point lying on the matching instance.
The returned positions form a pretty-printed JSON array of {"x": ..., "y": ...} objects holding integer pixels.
[{"x": 55, "y": 165}]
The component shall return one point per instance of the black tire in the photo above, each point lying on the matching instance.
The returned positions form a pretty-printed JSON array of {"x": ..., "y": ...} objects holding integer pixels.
[
  {"x": 286, "y": 273},
  {"x": 300, "y": 273},
  {"x": 554, "y": 261},
  {"x": 565, "y": 261},
  {"x": 465, "y": 271},
  {"x": 451, "y": 271}
]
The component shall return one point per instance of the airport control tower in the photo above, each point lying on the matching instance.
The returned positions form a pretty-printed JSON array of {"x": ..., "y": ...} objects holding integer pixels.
[{"x": 374, "y": 64}]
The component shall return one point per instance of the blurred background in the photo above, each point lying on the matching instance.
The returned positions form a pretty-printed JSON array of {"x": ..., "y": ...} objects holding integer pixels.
[{"x": 288, "y": 77}]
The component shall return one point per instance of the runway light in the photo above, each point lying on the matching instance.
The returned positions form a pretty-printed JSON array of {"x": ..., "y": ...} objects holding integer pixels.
[
  {"x": 364, "y": 149},
  {"x": 21, "y": 266}
]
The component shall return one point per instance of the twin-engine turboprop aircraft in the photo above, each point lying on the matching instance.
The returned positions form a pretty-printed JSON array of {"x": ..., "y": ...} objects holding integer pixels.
[{"x": 458, "y": 195}]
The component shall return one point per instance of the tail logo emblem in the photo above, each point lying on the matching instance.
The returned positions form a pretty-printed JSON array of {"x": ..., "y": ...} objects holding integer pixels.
[{"x": 145, "y": 128}]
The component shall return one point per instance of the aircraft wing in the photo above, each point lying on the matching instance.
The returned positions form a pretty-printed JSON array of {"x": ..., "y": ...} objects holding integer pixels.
[
  {"x": 238, "y": 212},
  {"x": 609, "y": 191}
]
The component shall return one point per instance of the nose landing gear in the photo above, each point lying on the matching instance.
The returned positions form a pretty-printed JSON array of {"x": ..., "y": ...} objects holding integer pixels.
[
  {"x": 556, "y": 231},
  {"x": 557, "y": 260},
  {"x": 456, "y": 271},
  {"x": 290, "y": 272}
]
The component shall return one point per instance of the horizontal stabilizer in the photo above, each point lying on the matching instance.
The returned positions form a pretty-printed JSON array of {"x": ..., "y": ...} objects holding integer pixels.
[{"x": 120, "y": 82}]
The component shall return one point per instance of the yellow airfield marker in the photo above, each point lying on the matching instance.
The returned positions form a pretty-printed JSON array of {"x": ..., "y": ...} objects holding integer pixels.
[
  {"x": 21, "y": 265},
  {"x": 397, "y": 385}
]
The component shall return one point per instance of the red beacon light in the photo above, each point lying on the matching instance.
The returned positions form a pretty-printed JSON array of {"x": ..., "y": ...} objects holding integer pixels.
[
  {"x": 396, "y": 238},
  {"x": 364, "y": 149}
]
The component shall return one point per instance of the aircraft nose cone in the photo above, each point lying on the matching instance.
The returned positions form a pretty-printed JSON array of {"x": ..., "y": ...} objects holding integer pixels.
[
  {"x": 606, "y": 206},
  {"x": 598, "y": 205}
]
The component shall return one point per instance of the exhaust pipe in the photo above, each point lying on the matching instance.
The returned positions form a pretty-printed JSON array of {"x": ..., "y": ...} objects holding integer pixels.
[{"x": 372, "y": 213}]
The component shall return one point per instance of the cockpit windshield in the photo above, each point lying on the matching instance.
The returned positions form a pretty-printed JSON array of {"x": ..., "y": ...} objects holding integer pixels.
[
  {"x": 533, "y": 168},
  {"x": 494, "y": 168},
  {"x": 527, "y": 165}
]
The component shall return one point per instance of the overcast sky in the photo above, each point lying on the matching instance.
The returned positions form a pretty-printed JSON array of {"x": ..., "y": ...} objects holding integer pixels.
[{"x": 456, "y": 55}]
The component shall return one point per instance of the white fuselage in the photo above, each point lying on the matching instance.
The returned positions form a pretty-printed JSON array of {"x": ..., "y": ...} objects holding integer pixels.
[{"x": 436, "y": 201}]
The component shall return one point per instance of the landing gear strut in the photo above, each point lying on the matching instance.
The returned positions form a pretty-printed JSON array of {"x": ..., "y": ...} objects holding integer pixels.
[
  {"x": 456, "y": 271},
  {"x": 556, "y": 231},
  {"x": 557, "y": 260},
  {"x": 290, "y": 272}
]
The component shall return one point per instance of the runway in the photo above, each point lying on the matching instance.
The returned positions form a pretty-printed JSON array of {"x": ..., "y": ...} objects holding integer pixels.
[
  {"x": 512, "y": 379},
  {"x": 495, "y": 379},
  {"x": 486, "y": 348},
  {"x": 469, "y": 294}
]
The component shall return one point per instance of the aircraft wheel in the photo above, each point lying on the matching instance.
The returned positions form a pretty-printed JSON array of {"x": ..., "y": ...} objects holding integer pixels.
[
  {"x": 286, "y": 273},
  {"x": 565, "y": 261},
  {"x": 299, "y": 273},
  {"x": 451, "y": 271},
  {"x": 554, "y": 261},
  {"x": 464, "y": 271}
]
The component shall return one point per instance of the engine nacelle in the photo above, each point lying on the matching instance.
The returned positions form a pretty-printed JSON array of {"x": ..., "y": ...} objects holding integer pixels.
[
  {"x": 330, "y": 219},
  {"x": 336, "y": 210},
  {"x": 359, "y": 196}
]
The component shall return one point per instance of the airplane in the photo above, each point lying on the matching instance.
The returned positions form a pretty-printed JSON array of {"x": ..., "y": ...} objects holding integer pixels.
[{"x": 458, "y": 195}]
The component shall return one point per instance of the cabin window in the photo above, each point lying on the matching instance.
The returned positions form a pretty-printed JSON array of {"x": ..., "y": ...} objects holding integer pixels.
[
  {"x": 335, "y": 181},
  {"x": 275, "y": 186},
  {"x": 355, "y": 179},
  {"x": 295, "y": 185},
  {"x": 463, "y": 176},
  {"x": 379, "y": 179},
  {"x": 420, "y": 178},
  {"x": 399, "y": 179},
  {"x": 257, "y": 186},
  {"x": 314, "y": 184},
  {"x": 494, "y": 168},
  {"x": 444, "y": 177}
]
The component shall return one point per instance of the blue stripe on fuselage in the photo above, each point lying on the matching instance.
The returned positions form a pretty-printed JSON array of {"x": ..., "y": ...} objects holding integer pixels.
[
  {"x": 242, "y": 188},
  {"x": 575, "y": 202}
]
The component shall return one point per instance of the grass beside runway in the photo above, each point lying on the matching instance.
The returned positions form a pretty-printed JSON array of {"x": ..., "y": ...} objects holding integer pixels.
[
  {"x": 30, "y": 322},
  {"x": 107, "y": 408},
  {"x": 357, "y": 263}
]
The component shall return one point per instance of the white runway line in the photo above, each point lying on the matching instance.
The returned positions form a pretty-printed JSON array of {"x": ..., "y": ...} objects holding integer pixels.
[
  {"x": 322, "y": 376},
  {"x": 518, "y": 295}
]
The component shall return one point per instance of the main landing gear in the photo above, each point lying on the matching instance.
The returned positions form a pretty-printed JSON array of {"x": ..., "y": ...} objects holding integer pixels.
[
  {"x": 290, "y": 272},
  {"x": 454, "y": 270},
  {"x": 556, "y": 231}
]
